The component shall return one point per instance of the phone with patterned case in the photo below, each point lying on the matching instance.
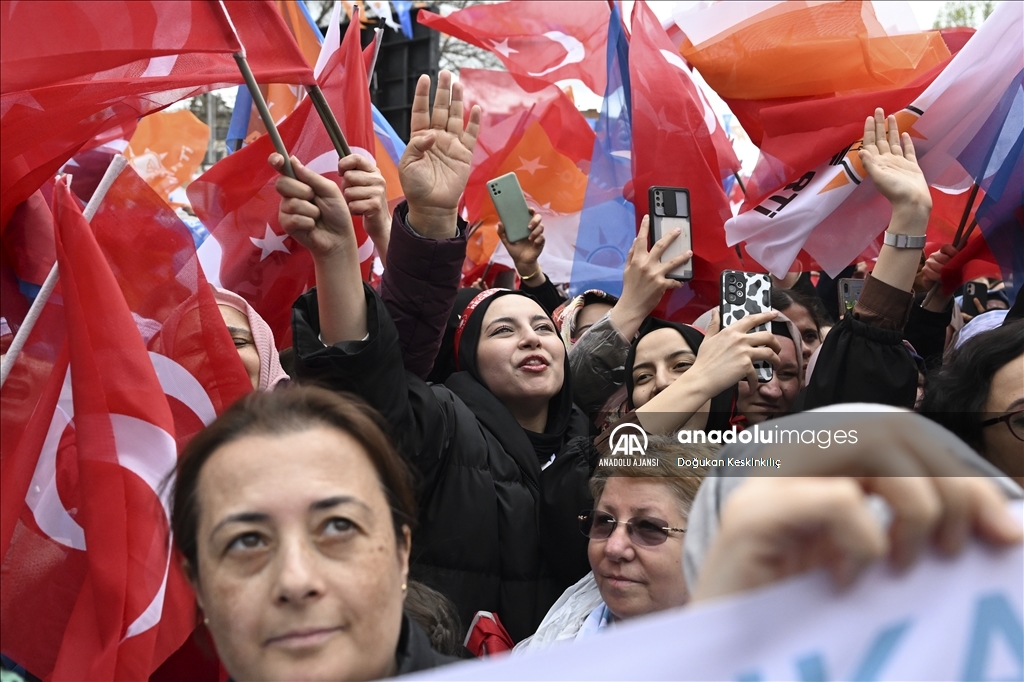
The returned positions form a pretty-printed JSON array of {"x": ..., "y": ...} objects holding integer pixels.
[{"x": 747, "y": 293}]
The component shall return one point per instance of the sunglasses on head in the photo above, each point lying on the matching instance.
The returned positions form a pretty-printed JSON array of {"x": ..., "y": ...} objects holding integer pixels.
[{"x": 645, "y": 531}]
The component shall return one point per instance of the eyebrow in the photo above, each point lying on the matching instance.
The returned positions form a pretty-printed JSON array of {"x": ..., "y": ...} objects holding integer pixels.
[
  {"x": 1019, "y": 402},
  {"x": 670, "y": 356},
  {"x": 509, "y": 320},
  {"x": 260, "y": 517},
  {"x": 240, "y": 330}
]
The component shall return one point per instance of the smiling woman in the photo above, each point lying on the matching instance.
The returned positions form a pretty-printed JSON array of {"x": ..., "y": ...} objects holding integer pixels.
[{"x": 293, "y": 513}]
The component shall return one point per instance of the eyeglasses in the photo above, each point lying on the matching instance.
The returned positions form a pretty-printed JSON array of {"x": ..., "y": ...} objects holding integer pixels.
[
  {"x": 643, "y": 530},
  {"x": 1014, "y": 421}
]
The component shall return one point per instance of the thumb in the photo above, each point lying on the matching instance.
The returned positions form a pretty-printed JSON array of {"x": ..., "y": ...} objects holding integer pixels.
[{"x": 421, "y": 144}]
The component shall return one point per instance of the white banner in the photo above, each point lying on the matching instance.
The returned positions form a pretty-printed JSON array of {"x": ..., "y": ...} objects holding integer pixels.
[{"x": 959, "y": 619}]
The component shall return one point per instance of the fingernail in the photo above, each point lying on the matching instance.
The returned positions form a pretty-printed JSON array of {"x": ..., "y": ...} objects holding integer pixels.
[{"x": 1000, "y": 521}]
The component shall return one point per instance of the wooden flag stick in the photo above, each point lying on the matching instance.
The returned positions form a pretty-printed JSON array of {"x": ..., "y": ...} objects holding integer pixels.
[
  {"x": 261, "y": 106},
  {"x": 963, "y": 218},
  {"x": 257, "y": 95},
  {"x": 959, "y": 241},
  {"x": 329, "y": 121}
]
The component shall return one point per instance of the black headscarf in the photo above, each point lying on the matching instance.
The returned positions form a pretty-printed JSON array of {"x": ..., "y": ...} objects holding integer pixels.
[
  {"x": 468, "y": 385},
  {"x": 444, "y": 364},
  {"x": 721, "y": 405}
]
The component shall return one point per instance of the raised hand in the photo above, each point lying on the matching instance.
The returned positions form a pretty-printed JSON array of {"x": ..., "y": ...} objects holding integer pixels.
[
  {"x": 645, "y": 279},
  {"x": 892, "y": 166},
  {"x": 435, "y": 167},
  {"x": 313, "y": 211},
  {"x": 525, "y": 252},
  {"x": 365, "y": 192}
]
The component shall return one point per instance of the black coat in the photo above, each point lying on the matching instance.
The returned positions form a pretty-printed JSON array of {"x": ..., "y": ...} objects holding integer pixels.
[{"x": 495, "y": 532}]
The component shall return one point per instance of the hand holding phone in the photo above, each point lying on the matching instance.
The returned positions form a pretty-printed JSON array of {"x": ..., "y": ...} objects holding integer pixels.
[
  {"x": 670, "y": 209},
  {"x": 975, "y": 298},
  {"x": 510, "y": 203},
  {"x": 743, "y": 294}
]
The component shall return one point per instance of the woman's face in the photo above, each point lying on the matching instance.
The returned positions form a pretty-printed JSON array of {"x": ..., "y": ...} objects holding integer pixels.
[
  {"x": 1006, "y": 394},
  {"x": 772, "y": 398},
  {"x": 299, "y": 571},
  {"x": 588, "y": 316},
  {"x": 633, "y": 579},
  {"x": 520, "y": 356},
  {"x": 662, "y": 356},
  {"x": 241, "y": 334},
  {"x": 809, "y": 334}
]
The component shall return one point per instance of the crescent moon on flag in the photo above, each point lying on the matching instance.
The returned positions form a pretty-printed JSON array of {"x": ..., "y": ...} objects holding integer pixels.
[
  {"x": 573, "y": 48},
  {"x": 42, "y": 496},
  {"x": 710, "y": 119}
]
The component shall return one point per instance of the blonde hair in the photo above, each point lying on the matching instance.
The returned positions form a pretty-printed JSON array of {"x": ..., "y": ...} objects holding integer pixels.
[{"x": 660, "y": 461}]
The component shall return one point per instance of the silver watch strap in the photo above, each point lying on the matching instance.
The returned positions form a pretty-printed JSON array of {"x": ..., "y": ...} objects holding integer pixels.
[{"x": 904, "y": 241}]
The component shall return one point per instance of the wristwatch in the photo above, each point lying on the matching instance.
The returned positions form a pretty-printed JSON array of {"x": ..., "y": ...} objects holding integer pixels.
[{"x": 904, "y": 241}]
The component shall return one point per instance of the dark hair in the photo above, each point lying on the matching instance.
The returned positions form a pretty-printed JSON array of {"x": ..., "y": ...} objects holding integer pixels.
[
  {"x": 955, "y": 394},
  {"x": 436, "y": 614},
  {"x": 290, "y": 409},
  {"x": 783, "y": 299}
]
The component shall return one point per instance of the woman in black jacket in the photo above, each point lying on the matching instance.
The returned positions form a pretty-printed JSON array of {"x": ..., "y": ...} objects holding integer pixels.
[{"x": 503, "y": 455}]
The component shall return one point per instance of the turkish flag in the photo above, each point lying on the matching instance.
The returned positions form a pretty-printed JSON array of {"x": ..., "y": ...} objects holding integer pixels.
[
  {"x": 546, "y": 41},
  {"x": 91, "y": 590},
  {"x": 237, "y": 202},
  {"x": 112, "y": 62},
  {"x": 672, "y": 146},
  {"x": 115, "y": 585}
]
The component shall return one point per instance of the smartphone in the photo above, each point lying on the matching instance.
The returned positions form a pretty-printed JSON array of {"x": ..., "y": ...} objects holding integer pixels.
[
  {"x": 978, "y": 291},
  {"x": 669, "y": 208},
  {"x": 511, "y": 206},
  {"x": 849, "y": 292},
  {"x": 747, "y": 293}
]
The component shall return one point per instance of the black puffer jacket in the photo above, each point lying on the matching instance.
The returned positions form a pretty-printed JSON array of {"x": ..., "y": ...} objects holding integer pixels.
[{"x": 496, "y": 533}]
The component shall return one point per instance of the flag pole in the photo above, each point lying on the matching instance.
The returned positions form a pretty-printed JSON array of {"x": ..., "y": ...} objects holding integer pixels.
[
  {"x": 329, "y": 121},
  {"x": 323, "y": 109},
  {"x": 257, "y": 95},
  {"x": 959, "y": 240},
  {"x": 117, "y": 164},
  {"x": 264, "y": 110},
  {"x": 378, "y": 37}
]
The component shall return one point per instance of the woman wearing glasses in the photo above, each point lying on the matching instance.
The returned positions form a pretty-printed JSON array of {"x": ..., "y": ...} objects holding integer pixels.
[
  {"x": 636, "y": 533},
  {"x": 979, "y": 396}
]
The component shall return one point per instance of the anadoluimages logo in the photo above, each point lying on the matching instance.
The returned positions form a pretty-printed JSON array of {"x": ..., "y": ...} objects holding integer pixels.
[{"x": 628, "y": 440}]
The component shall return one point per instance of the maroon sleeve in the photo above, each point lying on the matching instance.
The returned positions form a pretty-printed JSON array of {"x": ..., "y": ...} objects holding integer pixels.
[{"x": 420, "y": 281}]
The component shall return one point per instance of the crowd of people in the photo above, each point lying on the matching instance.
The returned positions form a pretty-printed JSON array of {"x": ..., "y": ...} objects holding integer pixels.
[
  {"x": 431, "y": 472},
  {"x": 442, "y": 452}
]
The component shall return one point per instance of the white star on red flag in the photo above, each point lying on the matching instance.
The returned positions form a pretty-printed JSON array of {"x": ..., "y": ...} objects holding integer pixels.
[
  {"x": 503, "y": 47},
  {"x": 270, "y": 243}
]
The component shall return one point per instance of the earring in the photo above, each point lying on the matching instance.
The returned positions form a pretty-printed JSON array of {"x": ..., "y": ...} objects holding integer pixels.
[
  {"x": 404, "y": 587},
  {"x": 206, "y": 621}
]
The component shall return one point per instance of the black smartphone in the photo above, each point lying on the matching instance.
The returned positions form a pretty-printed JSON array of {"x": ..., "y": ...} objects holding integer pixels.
[
  {"x": 747, "y": 293},
  {"x": 979, "y": 292},
  {"x": 669, "y": 208}
]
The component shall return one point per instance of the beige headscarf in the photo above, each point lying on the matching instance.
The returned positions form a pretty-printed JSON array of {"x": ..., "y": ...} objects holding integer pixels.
[{"x": 271, "y": 372}]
